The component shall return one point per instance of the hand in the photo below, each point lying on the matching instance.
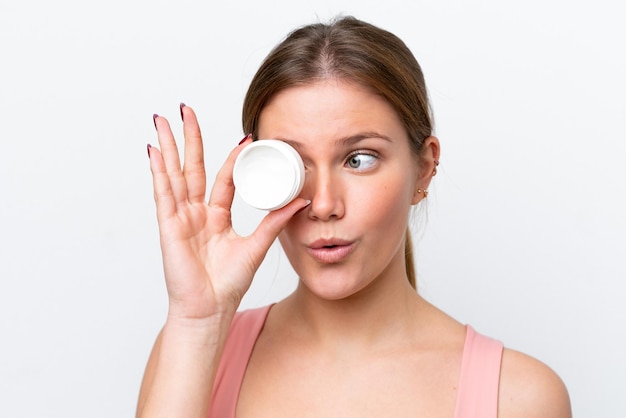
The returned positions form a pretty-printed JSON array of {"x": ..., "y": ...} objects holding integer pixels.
[{"x": 208, "y": 267}]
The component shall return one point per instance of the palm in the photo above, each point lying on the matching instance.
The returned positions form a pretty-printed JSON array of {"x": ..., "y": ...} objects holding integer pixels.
[{"x": 208, "y": 267}]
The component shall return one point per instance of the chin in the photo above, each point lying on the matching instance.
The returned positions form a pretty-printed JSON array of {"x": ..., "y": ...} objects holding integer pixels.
[{"x": 333, "y": 287}]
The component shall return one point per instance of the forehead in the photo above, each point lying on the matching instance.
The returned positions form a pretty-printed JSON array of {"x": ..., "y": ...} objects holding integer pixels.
[{"x": 329, "y": 107}]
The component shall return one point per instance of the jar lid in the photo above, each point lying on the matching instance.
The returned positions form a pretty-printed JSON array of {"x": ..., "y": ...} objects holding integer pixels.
[{"x": 268, "y": 174}]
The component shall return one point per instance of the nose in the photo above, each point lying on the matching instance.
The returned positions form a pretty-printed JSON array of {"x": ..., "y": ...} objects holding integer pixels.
[{"x": 326, "y": 193}]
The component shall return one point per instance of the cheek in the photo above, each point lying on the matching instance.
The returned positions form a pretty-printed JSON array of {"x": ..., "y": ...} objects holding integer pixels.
[
  {"x": 289, "y": 235},
  {"x": 384, "y": 203}
]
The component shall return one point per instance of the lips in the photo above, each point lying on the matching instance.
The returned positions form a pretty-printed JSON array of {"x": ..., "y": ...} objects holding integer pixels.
[{"x": 330, "y": 251}]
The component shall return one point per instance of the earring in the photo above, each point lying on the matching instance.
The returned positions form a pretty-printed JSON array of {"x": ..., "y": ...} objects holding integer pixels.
[
  {"x": 423, "y": 191},
  {"x": 435, "y": 169}
]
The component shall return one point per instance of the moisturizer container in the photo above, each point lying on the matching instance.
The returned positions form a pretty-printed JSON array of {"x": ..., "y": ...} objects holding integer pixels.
[{"x": 268, "y": 174}]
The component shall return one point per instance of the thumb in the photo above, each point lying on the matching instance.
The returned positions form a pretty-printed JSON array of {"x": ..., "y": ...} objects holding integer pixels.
[{"x": 275, "y": 221}]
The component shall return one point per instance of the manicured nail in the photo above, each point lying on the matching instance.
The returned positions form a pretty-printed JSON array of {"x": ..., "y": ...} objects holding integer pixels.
[
  {"x": 149, "y": 146},
  {"x": 244, "y": 139},
  {"x": 181, "y": 111},
  {"x": 154, "y": 119}
]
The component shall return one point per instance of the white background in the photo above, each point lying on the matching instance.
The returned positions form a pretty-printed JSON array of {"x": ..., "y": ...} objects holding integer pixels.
[{"x": 525, "y": 231}]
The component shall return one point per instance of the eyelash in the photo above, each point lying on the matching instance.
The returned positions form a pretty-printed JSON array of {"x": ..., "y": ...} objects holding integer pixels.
[{"x": 361, "y": 152}]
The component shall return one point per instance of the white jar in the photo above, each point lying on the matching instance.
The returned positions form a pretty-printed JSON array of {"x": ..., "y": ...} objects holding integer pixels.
[{"x": 268, "y": 174}]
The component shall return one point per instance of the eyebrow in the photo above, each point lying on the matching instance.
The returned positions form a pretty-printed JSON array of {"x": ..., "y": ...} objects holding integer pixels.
[{"x": 344, "y": 141}]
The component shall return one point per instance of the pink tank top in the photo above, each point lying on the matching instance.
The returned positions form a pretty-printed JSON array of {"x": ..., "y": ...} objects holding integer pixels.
[{"x": 477, "y": 395}]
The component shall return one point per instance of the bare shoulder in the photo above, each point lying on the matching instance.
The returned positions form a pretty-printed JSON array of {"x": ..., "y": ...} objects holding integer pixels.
[{"x": 529, "y": 388}]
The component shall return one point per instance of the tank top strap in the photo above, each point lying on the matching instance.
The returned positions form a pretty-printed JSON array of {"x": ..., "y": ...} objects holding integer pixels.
[
  {"x": 242, "y": 336},
  {"x": 479, "y": 382}
]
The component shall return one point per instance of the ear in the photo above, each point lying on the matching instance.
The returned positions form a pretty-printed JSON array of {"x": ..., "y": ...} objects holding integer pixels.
[{"x": 429, "y": 158}]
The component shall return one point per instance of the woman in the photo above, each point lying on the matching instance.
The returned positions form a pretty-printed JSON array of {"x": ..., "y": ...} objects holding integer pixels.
[{"x": 355, "y": 338}]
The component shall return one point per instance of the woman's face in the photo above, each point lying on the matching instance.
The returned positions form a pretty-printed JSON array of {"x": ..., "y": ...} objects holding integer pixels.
[{"x": 361, "y": 178}]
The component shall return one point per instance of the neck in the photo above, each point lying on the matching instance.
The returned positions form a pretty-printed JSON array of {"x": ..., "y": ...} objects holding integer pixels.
[{"x": 375, "y": 315}]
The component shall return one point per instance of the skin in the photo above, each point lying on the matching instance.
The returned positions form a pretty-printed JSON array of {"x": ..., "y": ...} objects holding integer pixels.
[
  {"x": 361, "y": 178},
  {"x": 207, "y": 266},
  {"x": 354, "y": 339}
]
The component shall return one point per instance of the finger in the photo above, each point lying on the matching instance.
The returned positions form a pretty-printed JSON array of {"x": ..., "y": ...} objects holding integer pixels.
[
  {"x": 275, "y": 221},
  {"x": 169, "y": 151},
  {"x": 163, "y": 196},
  {"x": 193, "y": 168},
  {"x": 223, "y": 190}
]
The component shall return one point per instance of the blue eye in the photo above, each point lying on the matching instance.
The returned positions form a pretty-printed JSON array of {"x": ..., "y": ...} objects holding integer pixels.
[{"x": 361, "y": 161}]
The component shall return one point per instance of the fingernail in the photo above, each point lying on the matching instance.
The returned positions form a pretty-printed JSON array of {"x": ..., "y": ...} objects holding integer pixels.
[
  {"x": 149, "y": 146},
  {"x": 244, "y": 139},
  {"x": 154, "y": 119},
  {"x": 181, "y": 110}
]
